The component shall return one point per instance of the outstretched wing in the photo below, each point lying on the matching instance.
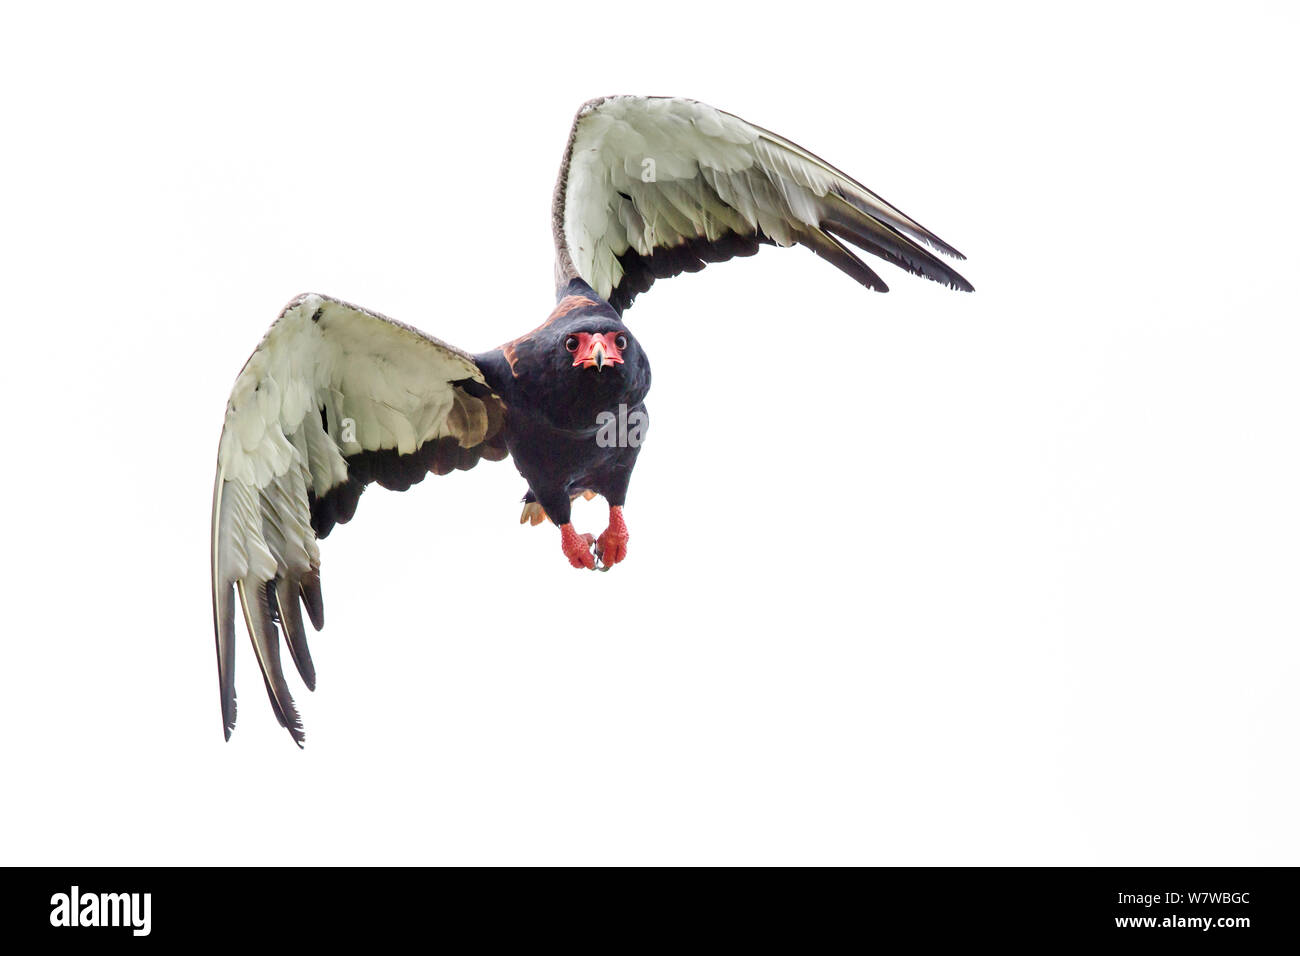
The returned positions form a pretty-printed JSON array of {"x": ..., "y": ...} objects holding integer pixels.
[
  {"x": 334, "y": 397},
  {"x": 654, "y": 186}
]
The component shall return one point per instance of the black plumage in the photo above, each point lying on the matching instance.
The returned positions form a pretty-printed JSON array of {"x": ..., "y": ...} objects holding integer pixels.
[{"x": 553, "y": 410}]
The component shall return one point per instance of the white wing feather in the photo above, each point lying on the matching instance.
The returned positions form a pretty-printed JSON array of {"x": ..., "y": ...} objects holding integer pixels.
[
  {"x": 647, "y": 174},
  {"x": 393, "y": 387}
]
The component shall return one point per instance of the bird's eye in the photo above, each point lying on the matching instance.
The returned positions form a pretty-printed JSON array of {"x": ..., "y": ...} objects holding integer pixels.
[
  {"x": 571, "y": 343},
  {"x": 621, "y": 342}
]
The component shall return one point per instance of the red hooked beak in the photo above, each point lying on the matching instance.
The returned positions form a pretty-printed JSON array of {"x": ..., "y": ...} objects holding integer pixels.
[{"x": 597, "y": 351}]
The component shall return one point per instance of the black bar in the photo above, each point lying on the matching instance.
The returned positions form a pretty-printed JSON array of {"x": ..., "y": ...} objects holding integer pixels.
[{"x": 1172, "y": 906}]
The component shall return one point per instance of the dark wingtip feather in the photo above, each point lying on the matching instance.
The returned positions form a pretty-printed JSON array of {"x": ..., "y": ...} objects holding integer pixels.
[
  {"x": 223, "y": 606},
  {"x": 837, "y": 254},
  {"x": 312, "y": 599},
  {"x": 891, "y": 215},
  {"x": 266, "y": 645},
  {"x": 883, "y": 240},
  {"x": 228, "y": 720},
  {"x": 928, "y": 238},
  {"x": 290, "y": 615}
]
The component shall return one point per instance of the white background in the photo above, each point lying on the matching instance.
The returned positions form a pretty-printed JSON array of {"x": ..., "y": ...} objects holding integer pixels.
[{"x": 914, "y": 578}]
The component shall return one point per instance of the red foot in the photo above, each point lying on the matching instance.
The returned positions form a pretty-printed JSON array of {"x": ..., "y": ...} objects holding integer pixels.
[
  {"x": 612, "y": 545},
  {"x": 577, "y": 547}
]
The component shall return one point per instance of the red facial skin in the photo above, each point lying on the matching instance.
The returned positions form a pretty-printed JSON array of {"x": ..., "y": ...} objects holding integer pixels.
[{"x": 596, "y": 351}]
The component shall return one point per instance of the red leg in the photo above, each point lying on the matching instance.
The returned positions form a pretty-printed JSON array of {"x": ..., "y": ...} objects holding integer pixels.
[
  {"x": 612, "y": 545},
  {"x": 577, "y": 547}
]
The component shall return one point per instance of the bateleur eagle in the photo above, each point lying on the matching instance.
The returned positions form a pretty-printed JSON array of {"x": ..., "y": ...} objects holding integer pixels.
[{"x": 336, "y": 397}]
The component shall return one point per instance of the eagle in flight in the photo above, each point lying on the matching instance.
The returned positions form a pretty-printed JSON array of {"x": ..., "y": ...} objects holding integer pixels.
[{"x": 336, "y": 397}]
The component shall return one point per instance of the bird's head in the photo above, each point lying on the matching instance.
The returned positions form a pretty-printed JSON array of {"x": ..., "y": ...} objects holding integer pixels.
[
  {"x": 586, "y": 364},
  {"x": 594, "y": 351},
  {"x": 580, "y": 362}
]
